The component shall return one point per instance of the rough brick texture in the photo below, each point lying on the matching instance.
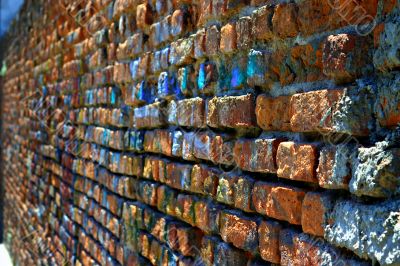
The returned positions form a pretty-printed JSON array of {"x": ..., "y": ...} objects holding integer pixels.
[{"x": 213, "y": 132}]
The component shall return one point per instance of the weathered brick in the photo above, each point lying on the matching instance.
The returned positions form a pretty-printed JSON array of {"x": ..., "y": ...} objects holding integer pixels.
[
  {"x": 143, "y": 16},
  {"x": 231, "y": 111},
  {"x": 312, "y": 111},
  {"x": 226, "y": 188},
  {"x": 268, "y": 235},
  {"x": 256, "y": 155},
  {"x": 278, "y": 201},
  {"x": 315, "y": 212},
  {"x": 262, "y": 23},
  {"x": 287, "y": 246},
  {"x": 200, "y": 43},
  {"x": 297, "y": 161},
  {"x": 181, "y": 51},
  {"x": 207, "y": 216},
  {"x": 213, "y": 37},
  {"x": 191, "y": 112},
  {"x": 208, "y": 248},
  {"x": 189, "y": 240},
  {"x": 334, "y": 166},
  {"x": 149, "y": 116},
  {"x": 376, "y": 171},
  {"x": 227, "y": 255},
  {"x": 345, "y": 56},
  {"x": 244, "y": 33},
  {"x": 198, "y": 178},
  {"x": 228, "y": 38},
  {"x": 243, "y": 188},
  {"x": 273, "y": 113},
  {"x": 284, "y": 20},
  {"x": 239, "y": 230},
  {"x": 185, "y": 208}
]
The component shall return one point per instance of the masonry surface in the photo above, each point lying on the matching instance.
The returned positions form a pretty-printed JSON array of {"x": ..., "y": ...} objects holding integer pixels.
[{"x": 213, "y": 132}]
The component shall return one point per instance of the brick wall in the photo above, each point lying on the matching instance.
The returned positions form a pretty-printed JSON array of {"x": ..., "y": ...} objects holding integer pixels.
[{"x": 213, "y": 132}]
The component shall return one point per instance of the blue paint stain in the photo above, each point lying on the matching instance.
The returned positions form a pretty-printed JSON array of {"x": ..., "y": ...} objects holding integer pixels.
[
  {"x": 238, "y": 77},
  {"x": 201, "y": 80}
]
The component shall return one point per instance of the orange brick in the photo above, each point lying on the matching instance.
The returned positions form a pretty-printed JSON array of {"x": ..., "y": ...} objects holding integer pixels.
[
  {"x": 228, "y": 38},
  {"x": 315, "y": 212},
  {"x": 284, "y": 21},
  {"x": 143, "y": 16},
  {"x": 262, "y": 23},
  {"x": 278, "y": 201},
  {"x": 273, "y": 113},
  {"x": 268, "y": 234},
  {"x": 239, "y": 230},
  {"x": 297, "y": 161},
  {"x": 312, "y": 111}
]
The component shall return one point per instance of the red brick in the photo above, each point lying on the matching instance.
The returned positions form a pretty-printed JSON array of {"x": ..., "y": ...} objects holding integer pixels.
[
  {"x": 189, "y": 239},
  {"x": 199, "y": 176},
  {"x": 315, "y": 213},
  {"x": 213, "y": 37},
  {"x": 191, "y": 113},
  {"x": 228, "y": 38},
  {"x": 231, "y": 111},
  {"x": 344, "y": 56},
  {"x": 312, "y": 111},
  {"x": 273, "y": 113},
  {"x": 207, "y": 216},
  {"x": 200, "y": 43},
  {"x": 226, "y": 188},
  {"x": 256, "y": 155},
  {"x": 287, "y": 246},
  {"x": 149, "y": 116},
  {"x": 297, "y": 161},
  {"x": 242, "y": 193},
  {"x": 181, "y": 51},
  {"x": 143, "y": 16},
  {"x": 284, "y": 21},
  {"x": 239, "y": 230},
  {"x": 178, "y": 22},
  {"x": 244, "y": 33},
  {"x": 262, "y": 23},
  {"x": 219, "y": 7},
  {"x": 278, "y": 201},
  {"x": 268, "y": 235},
  {"x": 185, "y": 208}
]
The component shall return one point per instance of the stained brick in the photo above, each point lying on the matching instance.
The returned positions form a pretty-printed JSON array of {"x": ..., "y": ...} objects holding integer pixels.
[
  {"x": 231, "y": 111},
  {"x": 278, "y": 201},
  {"x": 228, "y": 38},
  {"x": 297, "y": 161},
  {"x": 312, "y": 111},
  {"x": 284, "y": 20},
  {"x": 256, "y": 155},
  {"x": 315, "y": 212},
  {"x": 262, "y": 23},
  {"x": 239, "y": 230},
  {"x": 268, "y": 235},
  {"x": 273, "y": 113}
]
